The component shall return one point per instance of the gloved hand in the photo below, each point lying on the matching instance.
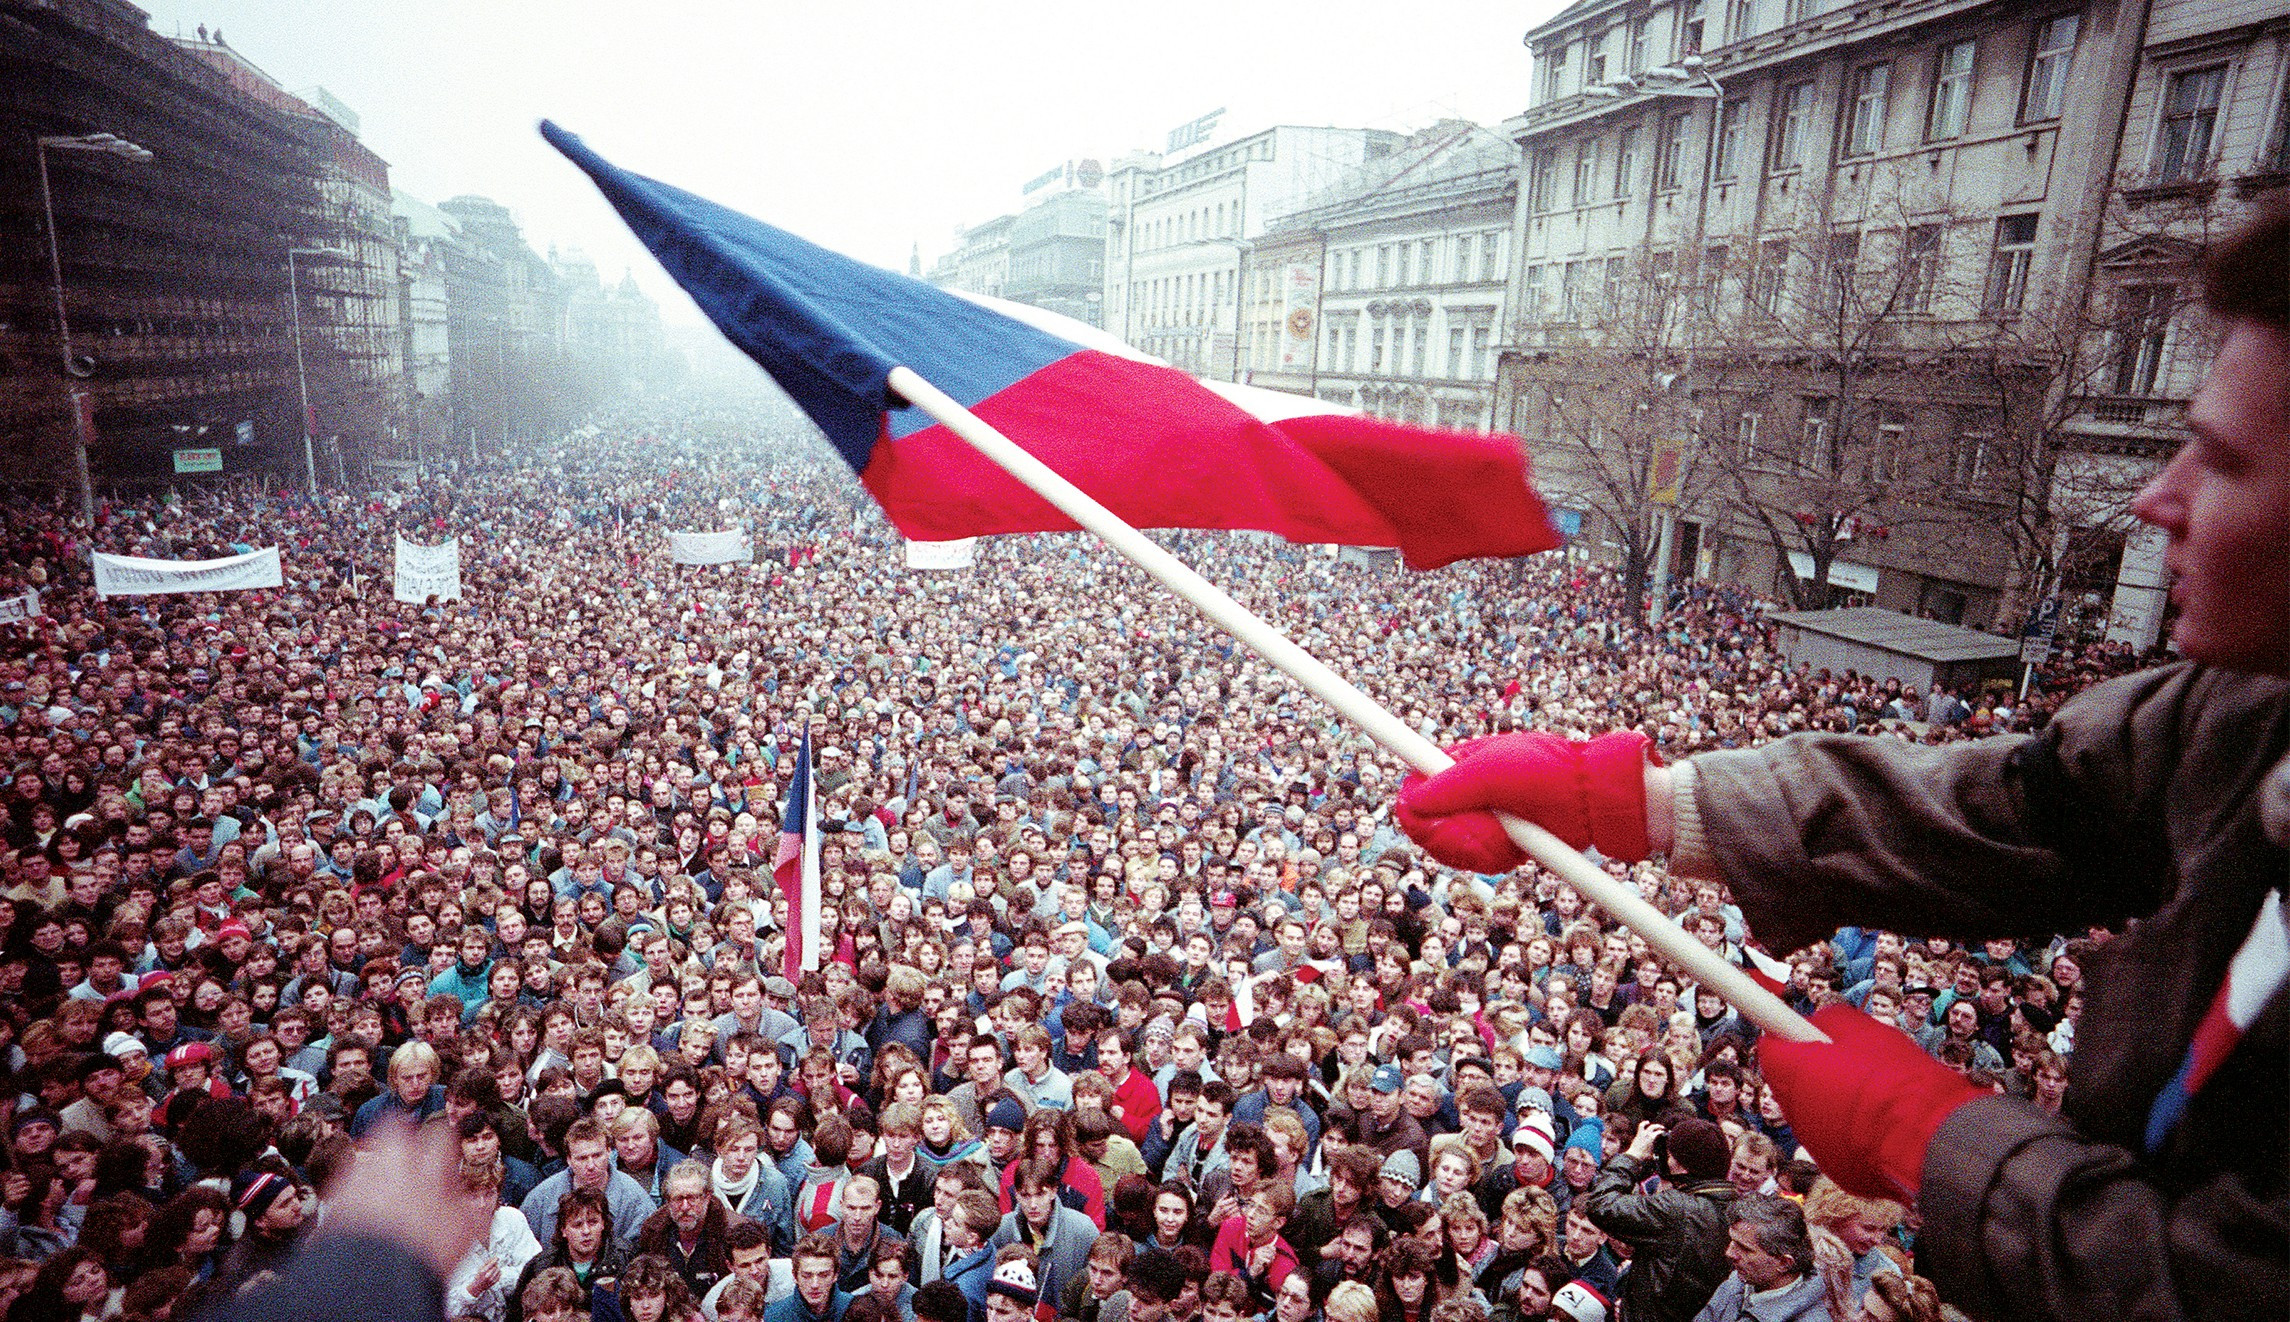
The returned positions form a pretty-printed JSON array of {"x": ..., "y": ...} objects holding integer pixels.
[
  {"x": 1585, "y": 793},
  {"x": 1866, "y": 1103}
]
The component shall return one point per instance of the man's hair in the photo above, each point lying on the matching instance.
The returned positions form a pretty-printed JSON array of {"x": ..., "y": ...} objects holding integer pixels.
[
  {"x": 1779, "y": 1226},
  {"x": 555, "y": 1290},
  {"x": 746, "y": 1234},
  {"x": 978, "y": 1211},
  {"x": 1226, "y": 1288},
  {"x": 1114, "y": 1249},
  {"x": 1156, "y": 1275},
  {"x": 2247, "y": 277},
  {"x": 1038, "y": 1173},
  {"x": 941, "y": 1301},
  {"x": 815, "y": 1245}
]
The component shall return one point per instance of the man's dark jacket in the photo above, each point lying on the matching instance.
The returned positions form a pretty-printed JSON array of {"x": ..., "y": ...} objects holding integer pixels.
[{"x": 1676, "y": 1234}]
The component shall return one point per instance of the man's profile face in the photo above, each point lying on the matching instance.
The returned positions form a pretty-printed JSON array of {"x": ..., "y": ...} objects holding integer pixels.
[{"x": 2224, "y": 502}]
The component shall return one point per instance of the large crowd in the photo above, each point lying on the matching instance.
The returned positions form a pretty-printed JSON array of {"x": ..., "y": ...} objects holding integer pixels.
[{"x": 1135, "y": 1004}]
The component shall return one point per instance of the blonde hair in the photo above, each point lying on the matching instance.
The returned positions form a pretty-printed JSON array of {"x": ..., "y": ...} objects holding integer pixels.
[
  {"x": 955, "y": 1129},
  {"x": 1351, "y": 1302},
  {"x": 1829, "y": 1207}
]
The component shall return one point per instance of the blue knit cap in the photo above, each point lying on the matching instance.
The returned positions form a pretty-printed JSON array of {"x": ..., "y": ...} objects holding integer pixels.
[{"x": 1590, "y": 1136}]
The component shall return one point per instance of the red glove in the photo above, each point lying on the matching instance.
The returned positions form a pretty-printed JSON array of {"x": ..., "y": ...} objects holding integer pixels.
[
  {"x": 1866, "y": 1102},
  {"x": 1584, "y": 793}
]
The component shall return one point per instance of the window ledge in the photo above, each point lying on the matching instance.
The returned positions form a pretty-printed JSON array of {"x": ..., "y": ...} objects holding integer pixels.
[
  {"x": 2199, "y": 190},
  {"x": 2261, "y": 181}
]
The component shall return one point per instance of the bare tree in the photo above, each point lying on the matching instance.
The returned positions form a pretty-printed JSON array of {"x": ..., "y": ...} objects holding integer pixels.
[{"x": 1609, "y": 388}]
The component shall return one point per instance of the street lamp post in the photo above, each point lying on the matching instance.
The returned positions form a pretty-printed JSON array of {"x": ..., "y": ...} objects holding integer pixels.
[
  {"x": 75, "y": 369},
  {"x": 301, "y": 375}
]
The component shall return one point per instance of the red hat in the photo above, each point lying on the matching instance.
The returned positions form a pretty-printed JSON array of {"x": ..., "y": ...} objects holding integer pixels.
[
  {"x": 233, "y": 928},
  {"x": 1224, "y": 900},
  {"x": 190, "y": 1053}
]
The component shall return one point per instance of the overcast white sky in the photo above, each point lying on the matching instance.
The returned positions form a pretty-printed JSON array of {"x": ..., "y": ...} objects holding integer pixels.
[{"x": 865, "y": 126}]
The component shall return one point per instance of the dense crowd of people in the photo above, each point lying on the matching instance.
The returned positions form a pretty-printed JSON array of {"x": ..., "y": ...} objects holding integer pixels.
[{"x": 1136, "y": 1003}]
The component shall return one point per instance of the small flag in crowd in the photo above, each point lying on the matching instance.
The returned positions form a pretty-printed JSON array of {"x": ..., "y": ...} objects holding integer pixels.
[
  {"x": 796, "y": 868},
  {"x": 1766, "y": 971},
  {"x": 1156, "y": 447}
]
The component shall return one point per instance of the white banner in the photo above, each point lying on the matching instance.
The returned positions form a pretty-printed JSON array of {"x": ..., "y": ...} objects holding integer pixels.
[
  {"x": 24, "y": 605},
  {"x": 130, "y": 576},
  {"x": 428, "y": 571},
  {"x": 960, "y": 554},
  {"x": 709, "y": 548}
]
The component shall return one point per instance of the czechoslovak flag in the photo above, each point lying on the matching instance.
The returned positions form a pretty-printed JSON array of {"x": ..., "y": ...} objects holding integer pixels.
[
  {"x": 796, "y": 867},
  {"x": 1153, "y": 445}
]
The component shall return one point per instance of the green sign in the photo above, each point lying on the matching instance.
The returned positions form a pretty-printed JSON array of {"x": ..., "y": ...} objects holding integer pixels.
[{"x": 198, "y": 461}]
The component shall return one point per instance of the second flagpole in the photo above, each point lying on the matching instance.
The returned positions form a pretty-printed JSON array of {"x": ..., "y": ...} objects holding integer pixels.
[{"x": 1761, "y": 1007}]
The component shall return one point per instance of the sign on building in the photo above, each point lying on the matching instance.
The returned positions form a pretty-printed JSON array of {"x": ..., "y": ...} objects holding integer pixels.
[
  {"x": 1299, "y": 315},
  {"x": 199, "y": 461},
  {"x": 1195, "y": 133}
]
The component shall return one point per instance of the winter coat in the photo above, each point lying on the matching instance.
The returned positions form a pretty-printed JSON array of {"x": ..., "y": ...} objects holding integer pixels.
[
  {"x": 2139, "y": 807},
  {"x": 1676, "y": 1234},
  {"x": 1805, "y": 1301}
]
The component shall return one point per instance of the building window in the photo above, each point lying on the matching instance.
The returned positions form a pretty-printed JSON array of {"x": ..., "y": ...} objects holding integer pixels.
[
  {"x": 1462, "y": 258},
  {"x": 1422, "y": 342},
  {"x": 1351, "y": 343},
  {"x": 1920, "y": 268},
  {"x": 1637, "y": 62},
  {"x": 1481, "y": 336},
  {"x": 1814, "y": 450},
  {"x": 1865, "y": 114},
  {"x": 1585, "y": 172},
  {"x": 2190, "y": 116},
  {"x": 1491, "y": 256},
  {"x": 1690, "y": 27},
  {"x": 1455, "y": 353},
  {"x": 1745, "y": 437},
  {"x": 1730, "y": 116},
  {"x": 1792, "y": 122},
  {"x": 1844, "y": 262},
  {"x": 2142, "y": 327},
  {"x": 1531, "y": 294},
  {"x": 1594, "y": 64},
  {"x": 1969, "y": 465},
  {"x": 2008, "y": 268},
  {"x": 1888, "y": 457},
  {"x": 1625, "y": 160},
  {"x": 1335, "y": 342},
  {"x": 1376, "y": 348},
  {"x": 1399, "y": 263},
  {"x": 1669, "y": 150},
  {"x": 1426, "y": 267},
  {"x": 1570, "y": 292},
  {"x": 2049, "y": 60},
  {"x": 1383, "y": 266},
  {"x": 1540, "y": 179},
  {"x": 1554, "y": 72},
  {"x": 1770, "y": 285},
  {"x": 2277, "y": 155},
  {"x": 1951, "y": 91},
  {"x": 1740, "y": 19}
]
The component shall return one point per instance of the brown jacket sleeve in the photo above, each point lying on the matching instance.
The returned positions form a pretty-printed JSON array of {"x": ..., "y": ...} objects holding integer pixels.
[
  {"x": 2025, "y": 1218},
  {"x": 2026, "y": 835},
  {"x": 2138, "y": 801}
]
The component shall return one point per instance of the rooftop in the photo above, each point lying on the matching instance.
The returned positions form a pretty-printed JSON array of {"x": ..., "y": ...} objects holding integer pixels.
[{"x": 1891, "y": 631}]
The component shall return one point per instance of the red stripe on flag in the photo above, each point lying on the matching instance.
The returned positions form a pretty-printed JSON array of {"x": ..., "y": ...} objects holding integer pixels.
[{"x": 1162, "y": 451}]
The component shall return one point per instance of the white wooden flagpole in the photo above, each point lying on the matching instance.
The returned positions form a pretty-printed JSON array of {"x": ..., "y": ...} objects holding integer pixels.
[{"x": 1768, "y": 1011}]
